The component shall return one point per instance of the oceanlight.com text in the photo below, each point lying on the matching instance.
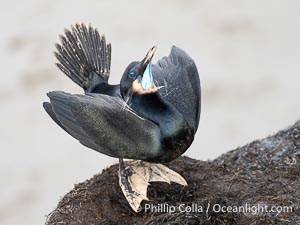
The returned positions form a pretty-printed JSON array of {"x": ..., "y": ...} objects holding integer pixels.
[{"x": 253, "y": 209}]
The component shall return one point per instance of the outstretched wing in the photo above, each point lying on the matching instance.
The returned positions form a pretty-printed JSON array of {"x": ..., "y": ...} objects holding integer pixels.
[
  {"x": 177, "y": 78},
  {"x": 105, "y": 124}
]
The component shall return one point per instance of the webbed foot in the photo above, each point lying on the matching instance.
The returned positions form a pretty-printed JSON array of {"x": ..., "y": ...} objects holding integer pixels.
[{"x": 135, "y": 176}]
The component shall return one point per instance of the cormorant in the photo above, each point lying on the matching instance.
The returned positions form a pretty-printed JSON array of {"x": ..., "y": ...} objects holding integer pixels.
[{"x": 151, "y": 117}]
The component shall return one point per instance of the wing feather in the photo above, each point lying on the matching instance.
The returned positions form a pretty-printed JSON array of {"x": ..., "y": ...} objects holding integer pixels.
[
  {"x": 178, "y": 81},
  {"x": 105, "y": 124}
]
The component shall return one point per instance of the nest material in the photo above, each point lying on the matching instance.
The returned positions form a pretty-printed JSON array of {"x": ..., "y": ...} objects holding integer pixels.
[{"x": 264, "y": 173}]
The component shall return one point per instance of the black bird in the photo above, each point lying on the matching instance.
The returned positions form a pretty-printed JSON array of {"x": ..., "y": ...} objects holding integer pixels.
[{"x": 151, "y": 116}]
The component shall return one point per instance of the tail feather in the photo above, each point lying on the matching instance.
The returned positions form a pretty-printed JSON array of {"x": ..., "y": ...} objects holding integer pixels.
[{"x": 82, "y": 54}]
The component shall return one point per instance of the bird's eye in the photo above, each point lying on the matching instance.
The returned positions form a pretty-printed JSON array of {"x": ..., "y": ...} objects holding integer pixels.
[{"x": 131, "y": 74}]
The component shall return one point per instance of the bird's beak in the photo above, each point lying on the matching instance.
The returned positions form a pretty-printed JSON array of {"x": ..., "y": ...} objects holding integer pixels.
[
  {"x": 147, "y": 77},
  {"x": 149, "y": 56}
]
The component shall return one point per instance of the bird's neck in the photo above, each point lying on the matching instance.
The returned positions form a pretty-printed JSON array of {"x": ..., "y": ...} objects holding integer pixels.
[{"x": 153, "y": 107}]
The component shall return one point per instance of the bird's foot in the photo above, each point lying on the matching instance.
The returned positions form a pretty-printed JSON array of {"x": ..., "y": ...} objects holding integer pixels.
[{"x": 135, "y": 176}]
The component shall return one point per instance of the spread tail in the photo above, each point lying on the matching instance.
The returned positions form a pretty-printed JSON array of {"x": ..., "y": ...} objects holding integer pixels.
[{"x": 84, "y": 56}]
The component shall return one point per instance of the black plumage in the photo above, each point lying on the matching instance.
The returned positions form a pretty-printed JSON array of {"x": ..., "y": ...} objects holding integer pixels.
[
  {"x": 154, "y": 127},
  {"x": 152, "y": 115}
]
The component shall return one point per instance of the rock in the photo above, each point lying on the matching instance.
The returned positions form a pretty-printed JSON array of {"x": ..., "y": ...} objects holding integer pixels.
[{"x": 258, "y": 183}]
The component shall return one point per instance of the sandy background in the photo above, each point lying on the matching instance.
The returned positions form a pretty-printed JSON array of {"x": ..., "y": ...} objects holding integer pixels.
[{"x": 247, "y": 53}]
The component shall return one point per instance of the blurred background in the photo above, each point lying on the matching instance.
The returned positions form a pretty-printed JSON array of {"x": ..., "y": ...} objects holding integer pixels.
[{"x": 247, "y": 53}]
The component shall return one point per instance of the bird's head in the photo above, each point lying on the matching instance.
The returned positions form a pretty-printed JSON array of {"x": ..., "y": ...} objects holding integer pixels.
[{"x": 138, "y": 77}]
